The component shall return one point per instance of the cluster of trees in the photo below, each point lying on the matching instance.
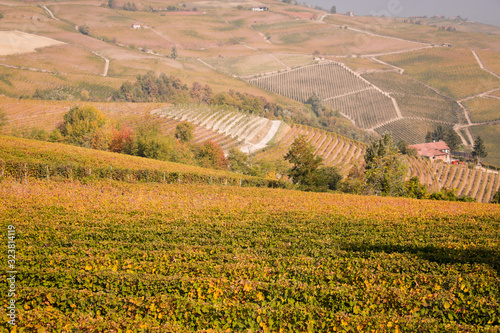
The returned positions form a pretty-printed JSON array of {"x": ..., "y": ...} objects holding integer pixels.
[
  {"x": 447, "y": 135},
  {"x": 164, "y": 88}
]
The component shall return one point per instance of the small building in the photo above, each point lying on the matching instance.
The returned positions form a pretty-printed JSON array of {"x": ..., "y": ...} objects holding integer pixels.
[
  {"x": 260, "y": 9},
  {"x": 433, "y": 151},
  {"x": 135, "y": 26},
  {"x": 350, "y": 14}
]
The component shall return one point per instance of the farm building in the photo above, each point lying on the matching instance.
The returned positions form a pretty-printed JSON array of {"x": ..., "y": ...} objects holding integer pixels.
[
  {"x": 260, "y": 9},
  {"x": 350, "y": 14},
  {"x": 135, "y": 26},
  {"x": 434, "y": 151}
]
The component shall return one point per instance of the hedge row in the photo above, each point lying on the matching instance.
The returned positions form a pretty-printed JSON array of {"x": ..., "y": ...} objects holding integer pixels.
[{"x": 24, "y": 170}]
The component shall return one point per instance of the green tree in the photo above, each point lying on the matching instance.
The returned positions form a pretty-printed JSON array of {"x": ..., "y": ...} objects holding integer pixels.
[
  {"x": 3, "y": 120},
  {"x": 384, "y": 169},
  {"x": 328, "y": 178},
  {"x": 112, "y": 4},
  {"x": 414, "y": 189},
  {"x": 184, "y": 132},
  {"x": 496, "y": 197},
  {"x": 238, "y": 161},
  {"x": 173, "y": 53},
  {"x": 80, "y": 124},
  {"x": 304, "y": 161},
  {"x": 333, "y": 10},
  {"x": 452, "y": 139},
  {"x": 84, "y": 29},
  {"x": 479, "y": 150}
]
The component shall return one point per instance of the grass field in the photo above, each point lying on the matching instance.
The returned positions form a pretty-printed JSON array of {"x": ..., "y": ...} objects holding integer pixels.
[
  {"x": 62, "y": 59},
  {"x": 455, "y": 72},
  {"x": 483, "y": 109},
  {"x": 491, "y": 136},
  {"x": 184, "y": 258}
]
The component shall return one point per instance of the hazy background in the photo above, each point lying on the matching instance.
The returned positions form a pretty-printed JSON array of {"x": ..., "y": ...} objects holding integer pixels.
[{"x": 484, "y": 11}]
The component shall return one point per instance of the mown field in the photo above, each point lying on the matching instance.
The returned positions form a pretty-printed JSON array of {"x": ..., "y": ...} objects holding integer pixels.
[{"x": 116, "y": 257}]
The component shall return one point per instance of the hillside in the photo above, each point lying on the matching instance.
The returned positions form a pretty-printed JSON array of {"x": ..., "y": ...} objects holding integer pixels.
[{"x": 382, "y": 74}]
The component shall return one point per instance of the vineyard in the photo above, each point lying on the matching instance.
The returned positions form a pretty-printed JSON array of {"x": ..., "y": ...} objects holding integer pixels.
[
  {"x": 339, "y": 87},
  {"x": 455, "y": 72},
  {"x": 411, "y": 130},
  {"x": 480, "y": 184},
  {"x": 334, "y": 149},
  {"x": 438, "y": 109},
  {"x": 483, "y": 109},
  {"x": 150, "y": 257},
  {"x": 254, "y": 131}
]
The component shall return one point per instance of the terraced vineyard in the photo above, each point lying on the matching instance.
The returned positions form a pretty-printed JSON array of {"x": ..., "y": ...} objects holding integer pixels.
[
  {"x": 438, "y": 109},
  {"x": 478, "y": 183},
  {"x": 339, "y": 87},
  {"x": 335, "y": 150},
  {"x": 253, "y": 130}
]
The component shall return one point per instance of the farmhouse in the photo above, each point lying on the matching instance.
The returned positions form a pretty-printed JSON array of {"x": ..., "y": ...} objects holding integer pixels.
[
  {"x": 434, "y": 151},
  {"x": 350, "y": 14},
  {"x": 260, "y": 9},
  {"x": 135, "y": 26}
]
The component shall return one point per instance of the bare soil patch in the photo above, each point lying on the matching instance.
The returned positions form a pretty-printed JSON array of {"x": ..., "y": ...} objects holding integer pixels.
[{"x": 15, "y": 42}]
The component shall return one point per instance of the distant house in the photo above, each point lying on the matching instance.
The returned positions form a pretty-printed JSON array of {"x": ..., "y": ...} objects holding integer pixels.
[
  {"x": 135, "y": 26},
  {"x": 434, "y": 151},
  {"x": 260, "y": 9},
  {"x": 350, "y": 14}
]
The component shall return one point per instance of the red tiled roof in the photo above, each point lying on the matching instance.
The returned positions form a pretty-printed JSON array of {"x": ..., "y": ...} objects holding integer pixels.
[{"x": 431, "y": 149}]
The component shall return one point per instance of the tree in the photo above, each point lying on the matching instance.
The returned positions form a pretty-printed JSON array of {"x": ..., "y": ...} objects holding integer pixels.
[
  {"x": 112, "y": 4},
  {"x": 3, "y": 120},
  {"x": 333, "y": 10},
  {"x": 414, "y": 189},
  {"x": 80, "y": 124},
  {"x": 210, "y": 155},
  {"x": 496, "y": 197},
  {"x": 184, "y": 132},
  {"x": 173, "y": 53},
  {"x": 452, "y": 139},
  {"x": 305, "y": 162},
  {"x": 84, "y": 29},
  {"x": 479, "y": 150},
  {"x": 384, "y": 170},
  {"x": 238, "y": 161},
  {"x": 121, "y": 140},
  {"x": 328, "y": 178}
]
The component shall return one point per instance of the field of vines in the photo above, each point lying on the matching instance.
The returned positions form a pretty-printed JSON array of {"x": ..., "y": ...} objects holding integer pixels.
[
  {"x": 412, "y": 131},
  {"x": 439, "y": 109},
  {"x": 325, "y": 80},
  {"x": 117, "y": 257},
  {"x": 338, "y": 87},
  {"x": 335, "y": 150},
  {"x": 454, "y": 72},
  {"x": 491, "y": 136},
  {"x": 252, "y": 131},
  {"x": 480, "y": 184},
  {"x": 394, "y": 83},
  {"x": 483, "y": 109}
]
